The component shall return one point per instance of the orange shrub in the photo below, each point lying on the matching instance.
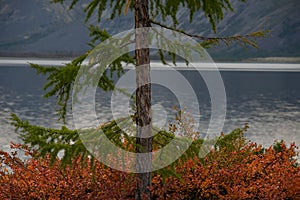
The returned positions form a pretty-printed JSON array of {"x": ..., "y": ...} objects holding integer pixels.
[
  {"x": 257, "y": 174},
  {"x": 36, "y": 179},
  {"x": 250, "y": 173}
]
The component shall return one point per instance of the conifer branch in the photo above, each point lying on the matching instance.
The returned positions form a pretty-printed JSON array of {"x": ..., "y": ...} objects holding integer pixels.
[{"x": 243, "y": 40}]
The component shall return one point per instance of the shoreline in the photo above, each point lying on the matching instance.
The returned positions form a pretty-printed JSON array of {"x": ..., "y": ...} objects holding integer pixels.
[
  {"x": 156, "y": 65},
  {"x": 283, "y": 60}
]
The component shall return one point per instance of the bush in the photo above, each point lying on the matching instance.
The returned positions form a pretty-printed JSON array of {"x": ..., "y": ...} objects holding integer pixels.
[
  {"x": 244, "y": 172},
  {"x": 248, "y": 173},
  {"x": 37, "y": 179}
]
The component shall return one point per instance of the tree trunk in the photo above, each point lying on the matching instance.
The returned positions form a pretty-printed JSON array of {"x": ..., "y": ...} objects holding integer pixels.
[{"x": 143, "y": 100}]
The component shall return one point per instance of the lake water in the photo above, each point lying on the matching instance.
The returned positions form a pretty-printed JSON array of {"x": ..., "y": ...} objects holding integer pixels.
[{"x": 267, "y": 98}]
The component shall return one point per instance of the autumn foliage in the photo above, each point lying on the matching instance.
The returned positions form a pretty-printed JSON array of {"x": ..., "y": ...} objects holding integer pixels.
[
  {"x": 37, "y": 179},
  {"x": 248, "y": 172}
]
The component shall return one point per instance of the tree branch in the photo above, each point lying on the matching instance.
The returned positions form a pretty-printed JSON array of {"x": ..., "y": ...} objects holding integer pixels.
[{"x": 248, "y": 39}]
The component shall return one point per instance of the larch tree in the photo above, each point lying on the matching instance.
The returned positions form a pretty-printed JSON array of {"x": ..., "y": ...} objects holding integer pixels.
[{"x": 147, "y": 13}]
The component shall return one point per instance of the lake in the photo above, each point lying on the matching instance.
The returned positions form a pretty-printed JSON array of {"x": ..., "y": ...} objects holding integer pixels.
[{"x": 266, "y": 96}]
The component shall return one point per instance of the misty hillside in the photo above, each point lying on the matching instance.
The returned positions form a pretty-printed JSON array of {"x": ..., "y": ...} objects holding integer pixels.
[{"x": 39, "y": 28}]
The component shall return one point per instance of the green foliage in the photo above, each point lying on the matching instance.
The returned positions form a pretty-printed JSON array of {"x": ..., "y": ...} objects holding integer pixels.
[
  {"x": 68, "y": 143},
  {"x": 50, "y": 141},
  {"x": 164, "y": 10},
  {"x": 65, "y": 142},
  {"x": 212, "y": 9},
  {"x": 233, "y": 141},
  {"x": 278, "y": 146},
  {"x": 97, "y": 34},
  {"x": 60, "y": 80}
]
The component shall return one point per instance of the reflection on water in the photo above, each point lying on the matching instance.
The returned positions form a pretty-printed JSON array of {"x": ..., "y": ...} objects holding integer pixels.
[{"x": 268, "y": 101}]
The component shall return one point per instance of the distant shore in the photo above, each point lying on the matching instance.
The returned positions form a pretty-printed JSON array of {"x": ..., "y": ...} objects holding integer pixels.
[
  {"x": 12, "y": 61},
  {"x": 275, "y": 60},
  {"x": 157, "y": 65},
  {"x": 155, "y": 59}
]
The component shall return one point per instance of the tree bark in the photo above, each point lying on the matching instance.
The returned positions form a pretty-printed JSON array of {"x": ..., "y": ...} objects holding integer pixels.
[{"x": 143, "y": 100}]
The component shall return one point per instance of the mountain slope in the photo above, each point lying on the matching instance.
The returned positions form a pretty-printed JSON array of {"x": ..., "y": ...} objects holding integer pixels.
[{"x": 40, "y": 28}]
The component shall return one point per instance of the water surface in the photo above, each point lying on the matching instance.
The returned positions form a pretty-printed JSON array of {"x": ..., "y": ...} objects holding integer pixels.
[{"x": 269, "y": 100}]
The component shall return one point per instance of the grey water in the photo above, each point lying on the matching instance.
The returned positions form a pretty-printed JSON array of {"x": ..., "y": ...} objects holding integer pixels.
[{"x": 268, "y": 100}]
